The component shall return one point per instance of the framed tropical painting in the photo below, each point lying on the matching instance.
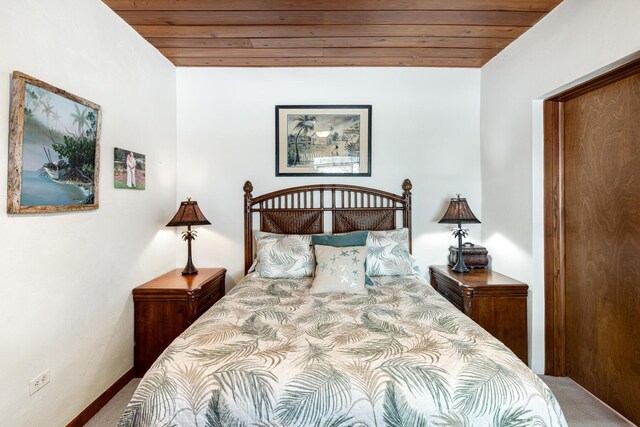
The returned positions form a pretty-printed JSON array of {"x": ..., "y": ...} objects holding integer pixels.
[
  {"x": 54, "y": 141},
  {"x": 323, "y": 140}
]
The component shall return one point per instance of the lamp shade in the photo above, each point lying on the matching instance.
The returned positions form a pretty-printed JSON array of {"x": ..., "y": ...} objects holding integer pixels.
[
  {"x": 459, "y": 212},
  {"x": 188, "y": 214}
]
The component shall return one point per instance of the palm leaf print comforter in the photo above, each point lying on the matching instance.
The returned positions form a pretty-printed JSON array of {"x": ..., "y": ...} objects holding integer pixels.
[{"x": 269, "y": 354}]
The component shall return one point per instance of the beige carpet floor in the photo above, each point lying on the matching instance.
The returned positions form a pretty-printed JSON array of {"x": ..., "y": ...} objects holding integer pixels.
[
  {"x": 580, "y": 408},
  {"x": 109, "y": 415}
]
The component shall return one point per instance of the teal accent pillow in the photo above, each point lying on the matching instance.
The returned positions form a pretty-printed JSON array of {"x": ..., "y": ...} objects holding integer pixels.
[{"x": 355, "y": 238}]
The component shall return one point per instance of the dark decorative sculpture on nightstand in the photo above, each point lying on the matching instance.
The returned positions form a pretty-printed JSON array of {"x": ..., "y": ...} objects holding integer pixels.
[
  {"x": 459, "y": 213},
  {"x": 189, "y": 214}
]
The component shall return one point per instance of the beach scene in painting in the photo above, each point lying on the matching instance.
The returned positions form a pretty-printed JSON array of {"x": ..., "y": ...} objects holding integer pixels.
[
  {"x": 328, "y": 143},
  {"x": 129, "y": 169},
  {"x": 59, "y": 150}
]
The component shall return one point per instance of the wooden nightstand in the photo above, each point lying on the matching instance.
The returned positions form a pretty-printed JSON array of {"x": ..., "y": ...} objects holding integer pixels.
[
  {"x": 166, "y": 306},
  {"x": 496, "y": 302}
]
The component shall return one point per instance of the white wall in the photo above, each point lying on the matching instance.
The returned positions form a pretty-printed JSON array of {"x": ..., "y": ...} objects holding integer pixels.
[
  {"x": 577, "y": 38},
  {"x": 425, "y": 127},
  {"x": 66, "y": 279}
]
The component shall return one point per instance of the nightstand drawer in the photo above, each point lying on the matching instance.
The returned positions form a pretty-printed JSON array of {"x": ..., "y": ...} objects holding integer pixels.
[
  {"x": 450, "y": 290},
  {"x": 211, "y": 295}
]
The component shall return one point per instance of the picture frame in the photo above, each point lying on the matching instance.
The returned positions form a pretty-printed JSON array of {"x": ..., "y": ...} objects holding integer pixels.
[
  {"x": 54, "y": 149},
  {"x": 129, "y": 169},
  {"x": 323, "y": 140}
]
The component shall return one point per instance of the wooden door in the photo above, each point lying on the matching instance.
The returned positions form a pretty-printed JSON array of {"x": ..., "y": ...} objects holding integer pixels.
[{"x": 602, "y": 243}]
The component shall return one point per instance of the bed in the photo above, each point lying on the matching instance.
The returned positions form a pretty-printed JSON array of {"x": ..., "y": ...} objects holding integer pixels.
[{"x": 271, "y": 353}]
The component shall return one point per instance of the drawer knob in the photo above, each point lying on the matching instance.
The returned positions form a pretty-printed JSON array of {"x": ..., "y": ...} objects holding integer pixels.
[
  {"x": 447, "y": 294},
  {"x": 210, "y": 297}
]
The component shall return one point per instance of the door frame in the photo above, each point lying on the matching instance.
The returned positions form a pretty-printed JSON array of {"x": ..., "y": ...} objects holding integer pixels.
[{"x": 554, "y": 249}]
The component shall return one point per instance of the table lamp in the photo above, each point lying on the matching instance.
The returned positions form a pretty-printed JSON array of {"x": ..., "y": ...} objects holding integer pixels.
[
  {"x": 189, "y": 214},
  {"x": 459, "y": 213}
]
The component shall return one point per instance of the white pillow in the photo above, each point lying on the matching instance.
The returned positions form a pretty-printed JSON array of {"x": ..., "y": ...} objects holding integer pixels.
[
  {"x": 283, "y": 255},
  {"x": 388, "y": 253},
  {"x": 340, "y": 270}
]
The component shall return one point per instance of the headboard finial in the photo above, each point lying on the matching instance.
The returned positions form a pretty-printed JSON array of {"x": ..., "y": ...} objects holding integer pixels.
[
  {"x": 407, "y": 186},
  {"x": 248, "y": 188}
]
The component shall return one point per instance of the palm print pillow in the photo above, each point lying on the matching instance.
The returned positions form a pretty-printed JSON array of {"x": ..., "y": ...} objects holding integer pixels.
[
  {"x": 388, "y": 253},
  {"x": 339, "y": 270},
  {"x": 283, "y": 255}
]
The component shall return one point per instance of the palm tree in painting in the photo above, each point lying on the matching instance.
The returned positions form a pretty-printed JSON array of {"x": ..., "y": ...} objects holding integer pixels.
[
  {"x": 304, "y": 124},
  {"x": 47, "y": 109},
  {"x": 80, "y": 118},
  {"x": 56, "y": 118}
]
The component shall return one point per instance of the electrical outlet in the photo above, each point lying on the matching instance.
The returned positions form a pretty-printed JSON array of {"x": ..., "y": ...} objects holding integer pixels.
[{"x": 38, "y": 382}]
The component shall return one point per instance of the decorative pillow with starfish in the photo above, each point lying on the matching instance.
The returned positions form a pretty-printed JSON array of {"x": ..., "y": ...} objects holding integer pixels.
[{"x": 340, "y": 270}]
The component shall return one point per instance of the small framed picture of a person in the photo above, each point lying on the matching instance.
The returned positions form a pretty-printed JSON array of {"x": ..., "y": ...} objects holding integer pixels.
[{"x": 128, "y": 169}]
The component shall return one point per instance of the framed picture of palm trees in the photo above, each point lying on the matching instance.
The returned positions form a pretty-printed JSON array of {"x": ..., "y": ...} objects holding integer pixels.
[
  {"x": 54, "y": 149},
  {"x": 323, "y": 140}
]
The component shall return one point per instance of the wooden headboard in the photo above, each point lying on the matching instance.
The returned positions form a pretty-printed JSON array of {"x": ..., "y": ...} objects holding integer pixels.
[{"x": 301, "y": 210}]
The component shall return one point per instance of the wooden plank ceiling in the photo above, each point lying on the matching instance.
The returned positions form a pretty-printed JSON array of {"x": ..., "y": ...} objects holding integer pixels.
[{"x": 289, "y": 33}]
